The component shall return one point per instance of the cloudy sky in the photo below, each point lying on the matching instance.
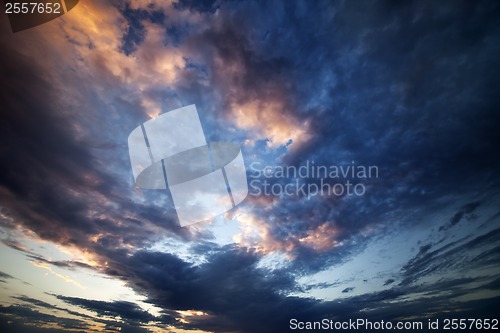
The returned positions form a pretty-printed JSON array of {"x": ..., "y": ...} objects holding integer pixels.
[{"x": 409, "y": 87}]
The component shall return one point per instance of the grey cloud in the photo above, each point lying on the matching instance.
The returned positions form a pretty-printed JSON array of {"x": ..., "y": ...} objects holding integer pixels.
[{"x": 126, "y": 310}]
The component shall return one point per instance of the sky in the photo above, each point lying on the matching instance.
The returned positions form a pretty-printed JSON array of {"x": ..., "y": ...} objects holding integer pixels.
[{"x": 408, "y": 88}]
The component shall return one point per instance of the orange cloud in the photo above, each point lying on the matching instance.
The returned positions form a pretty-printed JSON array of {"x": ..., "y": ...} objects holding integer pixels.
[
  {"x": 256, "y": 234},
  {"x": 61, "y": 276},
  {"x": 270, "y": 120},
  {"x": 86, "y": 43},
  {"x": 321, "y": 238},
  {"x": 260, "y": 107}
]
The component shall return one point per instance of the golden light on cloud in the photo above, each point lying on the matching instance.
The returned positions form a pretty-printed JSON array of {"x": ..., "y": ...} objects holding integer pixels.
[
  {"x": 61, "y": 276},
  {"x": 190, "y": 313},
  {"x": 152, "y": 107},
  {"x": 270, "y": 120},
  {"x": 187, "y": 315},
  {"x": 96, "y": 31},
  {"x": 321, "y": 238},
  {"x": 261, "y": 107},
  {"x": 146, "y": 4},
  {"x": 158, "y": 63},
  {"x": 256, "y": 234}
]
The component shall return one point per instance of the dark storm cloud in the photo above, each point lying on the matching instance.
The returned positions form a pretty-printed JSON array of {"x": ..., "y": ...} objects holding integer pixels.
[
  {"x": 322, "y": 285},
  {"x": 126, "y": 310},
  {"x": 224, "y": 281},
  {"x": 236, "y": 295},
  {"x": 51, "y": 180},
  {"x": 388, "y": 282},
  {"x": 494, "y": 285},
  {"x": 36, "y": 302},
  {"x": 113, "y": 326},
  {"x": 19, "y": 313},
  {"x": 15, "y": 245},
  {"x": 466, "y": 211},
  {"x": 228, "y": 286},
  {"x": 46, "y": 150},
  {"x": 385, "y": 305},
  {"x": 408, "y": 88},
  {"x": 130, "y": 314},
  {"x": 5, "y": 276},
  {"x": 397, "y": 114},
  {"x": 69, "y": 264},
  {"x": 45, "y": 305},
  {"x": 388, "y": 106}
]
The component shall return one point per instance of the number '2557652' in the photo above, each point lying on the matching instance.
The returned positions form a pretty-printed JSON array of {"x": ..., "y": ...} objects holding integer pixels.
[{"x": 26, "y": 15}]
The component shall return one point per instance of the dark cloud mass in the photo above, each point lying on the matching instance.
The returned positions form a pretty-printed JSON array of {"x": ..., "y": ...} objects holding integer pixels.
[
  {"x": 410, "y": 87},
  {"x": 125, "y": 310},
  {"x": 4, "y": 276}
]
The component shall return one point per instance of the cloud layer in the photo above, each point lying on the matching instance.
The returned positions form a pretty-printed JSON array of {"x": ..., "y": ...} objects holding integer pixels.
[{"x": 410, "y": 88}]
